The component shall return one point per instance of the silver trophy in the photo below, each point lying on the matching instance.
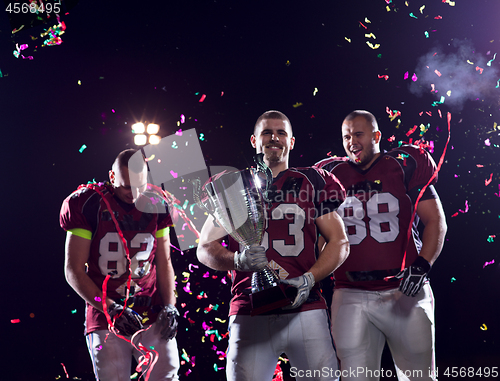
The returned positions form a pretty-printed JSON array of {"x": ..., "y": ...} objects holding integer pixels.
[{"x": 237, "y": 201}]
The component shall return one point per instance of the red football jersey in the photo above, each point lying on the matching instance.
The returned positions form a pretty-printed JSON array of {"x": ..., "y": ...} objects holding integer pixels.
[
  {"x": 377, "y": 214},
  {"x": 85, "y": 209},
  {"x": 299, "y": 196}
]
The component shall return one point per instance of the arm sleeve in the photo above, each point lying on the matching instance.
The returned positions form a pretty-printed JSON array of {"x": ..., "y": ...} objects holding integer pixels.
[
  {"x": 331, "y": 195},
  {"x": 424, "y": 170},
  {"x": 71, "y": 217}
]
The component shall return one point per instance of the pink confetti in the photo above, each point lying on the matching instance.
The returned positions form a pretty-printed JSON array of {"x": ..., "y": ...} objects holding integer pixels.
[
  {"x": 206, "y": 275},
  {"x": 466, "y": 208},
  {"x": 488, "y": 263},
  {"x": 186, "y": 288},
  {"x": 15, "y": 321},
  {"x": 190, "y": 266},
  {"x": 67, "y": 375},
  {"x": 386, "y": 77},
  {"x": 174, "y": 175},
  {"x": 479, "y": 165},
  {"x": 202, "y": 98},
  {"x": 479, "y": 69},
  {"x": 97, "y": 299},
  {"x": 183, "y": 118},
  {"x": 179, "y": 132},
  {"x": 437, "y": 72},
  {"x": 487, "y": 142},
  {"x": 406, "y": 75},
  {"x": 414, "y": 77},
  {"x": 487, "y": 182},
  {"x": 498, "y": 194},
  {"x": 392, "y": 138}
]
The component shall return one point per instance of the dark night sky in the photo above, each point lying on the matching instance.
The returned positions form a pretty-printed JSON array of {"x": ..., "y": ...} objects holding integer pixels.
[{"x": 154, "y": 60}]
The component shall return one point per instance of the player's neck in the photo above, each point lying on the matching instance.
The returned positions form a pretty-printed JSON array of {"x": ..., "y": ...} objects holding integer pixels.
[
  {"x": 370, "y": 163},
  {"x": 277, "y": 168}
]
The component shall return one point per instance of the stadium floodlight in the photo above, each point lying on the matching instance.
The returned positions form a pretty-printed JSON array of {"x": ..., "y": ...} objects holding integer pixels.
[
  {"x": 140, "y": 139},
  {"x": 153, "y": 128}
]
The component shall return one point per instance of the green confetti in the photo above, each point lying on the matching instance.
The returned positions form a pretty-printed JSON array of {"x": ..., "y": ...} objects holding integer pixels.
[
  {"x": 412, "y": 15},
  {"x": 82, "y": 148},
  {"x": 453, "y": 279},
  {"x": 490, "y": 238},
  {"x": 73, "y": 311},
  {"x": 426, "y": 34}
]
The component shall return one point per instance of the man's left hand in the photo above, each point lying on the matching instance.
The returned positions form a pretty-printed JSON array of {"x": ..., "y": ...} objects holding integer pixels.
[
  {"x": 414, "y": 276},
  {"x": 167, "y": 323},
  {"x": 304, "y": 284}
]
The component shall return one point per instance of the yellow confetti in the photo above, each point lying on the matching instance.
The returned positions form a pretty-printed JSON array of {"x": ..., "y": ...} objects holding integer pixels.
[
  {"x": 376, "y": 46},
  {"x": 388, "y": 9},
  {"x": 448, "y": 93},
  {"x": 220, "y": 320},
  {"x": 422, "y": 8},
  {"x": 145, "y": 320},
  {"x": 483, "y": 327},
  {"x": 406, "y": 3},
  {"x": 315, "y": 91},
  {"x": 370, "y": 35},
  {"x": 399, "y": 122},
  {"x": 298, "y": 104},
  {"x": 368, "y": 21},
  {"x": 79, "y": 82},
  {"x": 347, "y": 39},
  {"x": 287, "y": 63},
  {"x": 470, "y": 63}
]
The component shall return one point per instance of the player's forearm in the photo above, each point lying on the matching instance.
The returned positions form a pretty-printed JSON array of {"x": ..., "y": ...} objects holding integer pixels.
[
  {"x": 86, "y": 288},
  {"x": 165, "y": 278},
  {"x": 215, "y": 256},
  {"x": 332, "y": 256},
  {"x": 433, "y": 239}
]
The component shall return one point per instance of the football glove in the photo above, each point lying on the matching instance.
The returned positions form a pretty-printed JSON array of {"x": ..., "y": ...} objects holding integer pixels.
[
  {"x": 414, "y": 276},
  {"x": 252, "y": 258},
  {"x": 166, "y": 324},
  {"x": 304, "y": 284},
  {"x": 127, "y": 321}
]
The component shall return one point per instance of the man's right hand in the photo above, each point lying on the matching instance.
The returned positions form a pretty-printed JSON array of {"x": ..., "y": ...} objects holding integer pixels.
[
  {"x": 253, "y": 258},
  {"x": 128, "y": 323}
]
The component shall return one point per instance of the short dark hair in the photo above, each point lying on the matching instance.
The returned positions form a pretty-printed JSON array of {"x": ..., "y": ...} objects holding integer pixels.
[
  {"x": 272, "y": 114},
  {"x": 370, "y": 118},
  {"x": 128, "y": 159}
]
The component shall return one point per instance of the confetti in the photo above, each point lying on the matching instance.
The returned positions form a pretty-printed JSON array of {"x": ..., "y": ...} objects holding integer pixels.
[
  {"x": 15, "y": 321},
  {"x": 483, "y": 327},
  {"x": 490, "y": 61},
  {"x": 453, "y": 279},
  {"x": 376, "y": 46},
  {"x": 202, "y": 98},
  {"x": 82, "y": 148},
  {"x": 488, "y": 263},
  {"x": 386, "y": 77},
  {"x": 488, "y": 181}
]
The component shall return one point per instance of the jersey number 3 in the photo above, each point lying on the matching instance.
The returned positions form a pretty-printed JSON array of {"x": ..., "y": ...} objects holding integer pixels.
[
  {"x": 113, "y": 259},
  {"x": 382, "y": 210}
]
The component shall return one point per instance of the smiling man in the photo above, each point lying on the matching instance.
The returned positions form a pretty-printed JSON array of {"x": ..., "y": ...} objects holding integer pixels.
[
  {"x": 367, "y": 308},
  {"x": 304, "y": 201}
]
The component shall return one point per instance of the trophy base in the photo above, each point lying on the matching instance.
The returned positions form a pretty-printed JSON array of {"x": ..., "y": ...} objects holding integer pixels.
[{"x": 268, "y": 300}]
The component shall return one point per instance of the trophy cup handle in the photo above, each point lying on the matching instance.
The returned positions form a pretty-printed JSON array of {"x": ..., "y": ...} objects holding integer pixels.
[
  {"x": 262, "y": 167},
  {"x": 196, "y": 197}
]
